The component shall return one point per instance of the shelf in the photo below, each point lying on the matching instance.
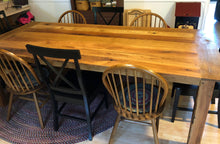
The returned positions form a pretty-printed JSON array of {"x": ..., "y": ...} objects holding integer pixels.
[{"x": 11, "y": 11}]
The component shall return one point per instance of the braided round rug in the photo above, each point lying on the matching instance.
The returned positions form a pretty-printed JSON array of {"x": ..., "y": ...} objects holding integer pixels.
[{"x": 24, "y": 126}]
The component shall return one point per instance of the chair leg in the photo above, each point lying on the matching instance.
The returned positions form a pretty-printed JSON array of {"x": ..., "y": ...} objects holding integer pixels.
[
  {"x": 176, "y": 100},
  {"x": 89, "y": 126},
  {"x": 213, "y": 100},
  {"x": 219, "y": 112},
  {"x": 156, "y": 140},
  {"x": 9, "y": 106},
  {"x": 157, "y": 123},
  {"x": 38, "y": 110},
  {"x": 106, "y": 99},
  {"x": 173, "y": 90},
  {"x": 194, "y": 98},
  {"x": 55, "y": 117},
  {"x": 114, "y": 128},
  {"x": 88, "y": 118}
]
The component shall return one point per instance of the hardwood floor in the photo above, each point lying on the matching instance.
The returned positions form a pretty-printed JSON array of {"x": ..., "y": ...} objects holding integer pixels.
[{"x": 169, "y": 133}]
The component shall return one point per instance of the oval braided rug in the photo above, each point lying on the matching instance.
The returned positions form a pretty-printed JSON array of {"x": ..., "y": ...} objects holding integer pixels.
[{"x": 24, "y": 126}]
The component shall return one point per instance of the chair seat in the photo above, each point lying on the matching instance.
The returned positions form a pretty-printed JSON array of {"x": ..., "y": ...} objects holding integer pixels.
[
  {"x": 68, "y": 98},
  {"x": 74, "y": 98},
  {"x": 31, "y": 77},
  {"x": 140, "y": 97},
  {"x": 190, "y": 90},
  {"x": 186, "y": 89},
  {"x": 92, "y": 82}
]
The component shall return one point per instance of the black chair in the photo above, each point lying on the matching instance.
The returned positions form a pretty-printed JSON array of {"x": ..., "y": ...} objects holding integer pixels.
[
  {"x": 4, "y": 24},
  {"x": 64, "y": 87},
  {"x": 114, "y": 10},
  {"x": 217, "y": 11},
  {"x": 189, "y": 90}
]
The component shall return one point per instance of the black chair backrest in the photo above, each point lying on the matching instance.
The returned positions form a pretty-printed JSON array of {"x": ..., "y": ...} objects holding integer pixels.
[
  {"x": 4, "y": 24},
  {"x": 113, "y": 10},
  {"x": 59, "y": 83}
]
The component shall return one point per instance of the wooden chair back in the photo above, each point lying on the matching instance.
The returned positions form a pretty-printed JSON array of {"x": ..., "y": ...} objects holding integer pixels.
[
  {"x": 18, "y": 75},
  {"x": 72, "y": 16},
  {"x": 113, "y": 10},
  {"x": 130, "y": 14},
  {"x": 149, "y": 20},
  {"x": 138, "y": 93},
  {"x": 43, "y": 54},
  {"x": 4, "y": 24}
]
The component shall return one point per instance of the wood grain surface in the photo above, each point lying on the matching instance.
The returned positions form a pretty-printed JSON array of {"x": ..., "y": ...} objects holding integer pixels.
[
  {"x": 170, "y": 52},
  {"x": 179, "y": 55}
]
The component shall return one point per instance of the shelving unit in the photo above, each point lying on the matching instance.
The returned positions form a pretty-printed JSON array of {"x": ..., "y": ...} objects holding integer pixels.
[
  {"x": 11, "y": 12},
  {"x": 90, "y": 16}
]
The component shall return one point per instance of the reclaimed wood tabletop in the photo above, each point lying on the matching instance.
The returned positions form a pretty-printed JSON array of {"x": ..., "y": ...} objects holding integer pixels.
[{"x": 179, "y": 55}]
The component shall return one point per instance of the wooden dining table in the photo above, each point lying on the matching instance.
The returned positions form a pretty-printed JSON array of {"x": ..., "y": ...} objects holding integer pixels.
[{"x": 179, "y": 55}]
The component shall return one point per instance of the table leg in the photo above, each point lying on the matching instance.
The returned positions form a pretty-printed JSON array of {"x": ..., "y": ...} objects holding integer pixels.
[{"x": 200, "y": 112}]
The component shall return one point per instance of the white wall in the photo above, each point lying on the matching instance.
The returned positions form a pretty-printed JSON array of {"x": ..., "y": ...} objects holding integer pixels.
[
  {"x": 166, "y": 8},
  {"x": 48, "y": 10}
]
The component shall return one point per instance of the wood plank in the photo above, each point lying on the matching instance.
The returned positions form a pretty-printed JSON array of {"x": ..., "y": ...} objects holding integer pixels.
[
  {"x": 209, "y": 57},
  {"x": 112, "y": 31},
  {"x": 99, "y": 51},
  {"x": 103, "y": 46},
  {"x": 200, "y": 112}
]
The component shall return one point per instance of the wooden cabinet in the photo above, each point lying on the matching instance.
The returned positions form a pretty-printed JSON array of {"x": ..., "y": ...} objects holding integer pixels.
[
  {"x": 13, "y": 13},
  {"x": 90, "y": 16}
]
